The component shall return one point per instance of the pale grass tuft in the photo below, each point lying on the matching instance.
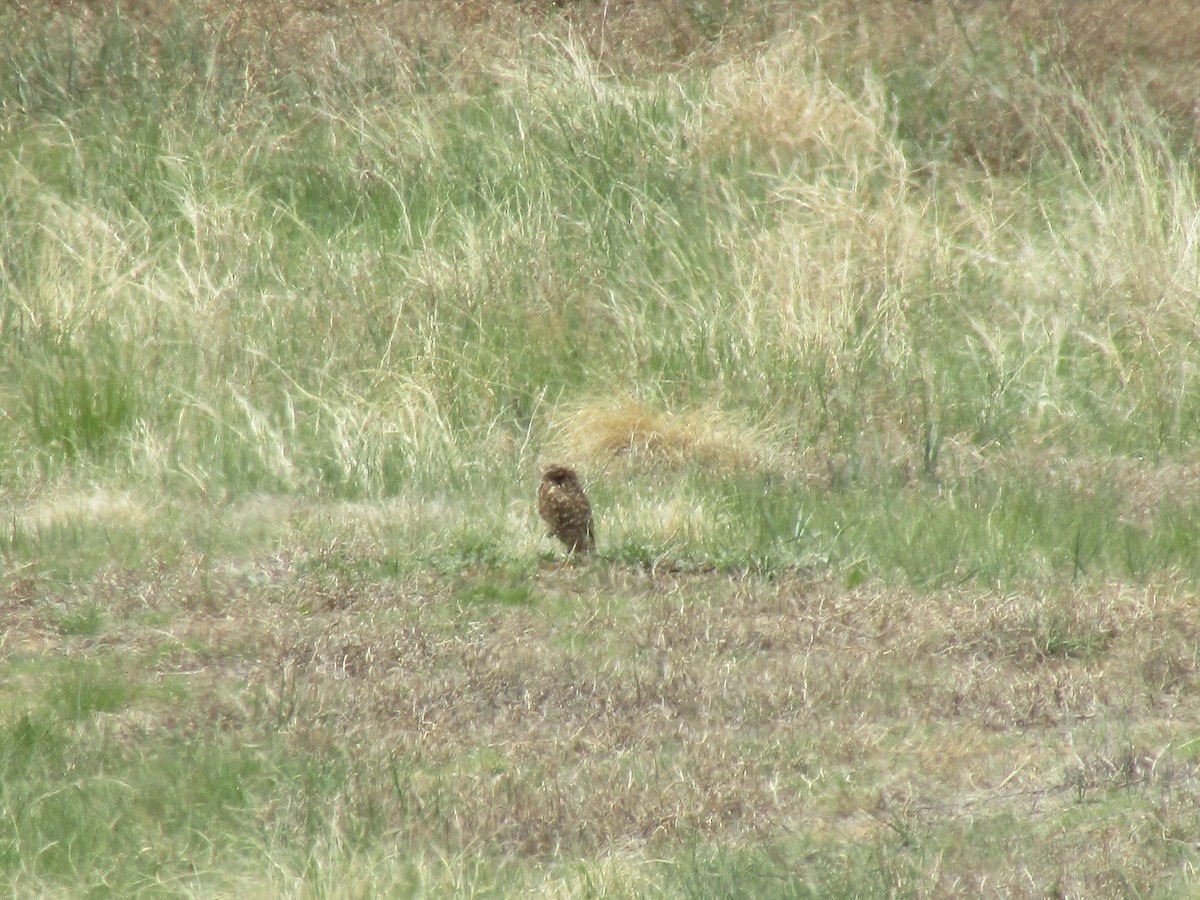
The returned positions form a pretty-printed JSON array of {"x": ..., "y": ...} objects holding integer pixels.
[
  {"x": 848, "y": 247},
  {"x": 600, "y": 431},
  {"x": 672, "y": 520},
  {"x": 621, "y": 873},
  {"x": 414, "y": 522},
  {"x": 87, "y": 266},
  {"x": 779, "y": 107},
  {"x": 79, "y": 506},
  {"x": 405, "y": 421}
]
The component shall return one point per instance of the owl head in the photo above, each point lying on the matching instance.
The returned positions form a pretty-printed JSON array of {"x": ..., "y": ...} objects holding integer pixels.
[{"x": 558, "y": 474}]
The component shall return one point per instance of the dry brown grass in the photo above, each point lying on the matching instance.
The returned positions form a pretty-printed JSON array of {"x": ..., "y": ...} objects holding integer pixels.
[
  {"x": 984, "y": 67},
  {"x": 1159, "y": 41},
  {"x": 1162, "y": 40},
  {"x": 620, "y": 710}
]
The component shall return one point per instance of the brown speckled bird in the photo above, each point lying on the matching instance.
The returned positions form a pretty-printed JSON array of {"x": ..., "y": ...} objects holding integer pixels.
[{"x": 564, "y": 506}]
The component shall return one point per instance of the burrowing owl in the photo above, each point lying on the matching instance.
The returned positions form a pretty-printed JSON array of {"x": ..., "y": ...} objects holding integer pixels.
[{"x": 564, "y": 506}]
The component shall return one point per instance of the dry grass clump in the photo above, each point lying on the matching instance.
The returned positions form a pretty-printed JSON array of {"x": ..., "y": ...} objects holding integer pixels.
[
  {"x": 838, "y": 259},
  {"x": 600, "y": 431},
  {"x": 779, "y": 106},
  {"x": 1151, "y": 46}
]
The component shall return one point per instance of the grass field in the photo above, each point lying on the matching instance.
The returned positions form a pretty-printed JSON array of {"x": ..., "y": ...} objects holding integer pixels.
[{"x": 871, "y": 327}]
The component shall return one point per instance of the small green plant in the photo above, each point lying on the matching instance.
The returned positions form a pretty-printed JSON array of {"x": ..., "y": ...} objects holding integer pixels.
[
  {"x": 495, "y": 589},
  {"x": 1067, "y": 635},
  {"x": 85, "y": 620},
  {"x": 87, "y": 688},
  {"x": 80, "y": 393}
]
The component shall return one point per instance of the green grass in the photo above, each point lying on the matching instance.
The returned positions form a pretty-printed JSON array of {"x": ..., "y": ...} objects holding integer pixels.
[
  {"x": 871, "y": 336},
  {"x": 102, "y": 814}
]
